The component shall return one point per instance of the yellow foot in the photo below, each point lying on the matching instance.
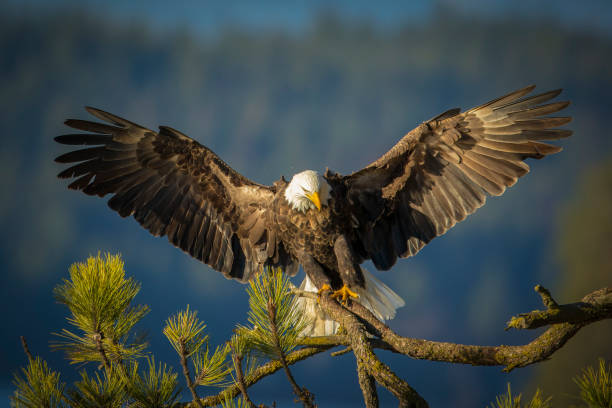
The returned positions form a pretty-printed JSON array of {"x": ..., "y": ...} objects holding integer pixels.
[
  {"x": 323, "y": 289},
  {"x": 345, "y": 293}
]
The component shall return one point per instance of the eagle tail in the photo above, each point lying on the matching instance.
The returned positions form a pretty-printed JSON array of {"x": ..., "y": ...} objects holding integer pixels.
[{"x": 377, "y": 297}]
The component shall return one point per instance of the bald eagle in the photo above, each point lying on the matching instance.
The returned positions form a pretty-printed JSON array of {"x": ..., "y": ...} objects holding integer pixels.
[{"x": 329, "y": 224}]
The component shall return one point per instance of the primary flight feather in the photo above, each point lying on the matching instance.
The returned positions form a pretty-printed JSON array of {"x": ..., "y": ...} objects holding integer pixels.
[{"x": 434, "y": 177}]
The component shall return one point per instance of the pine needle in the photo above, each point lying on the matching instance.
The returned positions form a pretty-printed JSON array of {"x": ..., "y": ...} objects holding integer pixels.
[
  {"x": 185, "y": 332},
  {"x": 211, "y": 370},
  {"x": 596, "y": 386},
  {"x": 99, "y": 298},
  {"x": 509, "y": 401},
  {"x": 39, "y": 387},
  {"x": 155, "y": 387},
  {"x": 273, "y": 289},
  {"x": 100, "y": 391}
]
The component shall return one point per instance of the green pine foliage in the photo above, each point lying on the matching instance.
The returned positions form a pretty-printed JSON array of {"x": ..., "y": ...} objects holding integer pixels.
[
  {"x": 156, "y": 387},
  {"x": 99, "y": 391},
  {"x": 509, "y": 401},
  {"x": 211, "y": 370},
  {"x": 596, "y": 386},
  {"x": 241, "y": 348},
  {"x": 276, "y": 320},
  {"x": 39, "y": 387},
  {"x": 234, "y": 403},
  {"x": 185, "y": 332},
  {"x": 99, "y": 298}
]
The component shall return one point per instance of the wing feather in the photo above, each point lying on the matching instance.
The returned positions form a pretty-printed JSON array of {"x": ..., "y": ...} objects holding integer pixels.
[
  {"x": 174, "y": 186},
  {"x": 443, "y": 170}
]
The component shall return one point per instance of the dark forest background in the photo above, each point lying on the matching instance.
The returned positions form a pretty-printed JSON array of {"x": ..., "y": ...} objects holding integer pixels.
[{"x": 272, "y": 102}]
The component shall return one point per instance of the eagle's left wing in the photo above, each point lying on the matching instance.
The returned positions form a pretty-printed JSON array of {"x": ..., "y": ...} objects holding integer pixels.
[
  {"x": 443, "y": 170},
  {"x": 174, "y": 186}
]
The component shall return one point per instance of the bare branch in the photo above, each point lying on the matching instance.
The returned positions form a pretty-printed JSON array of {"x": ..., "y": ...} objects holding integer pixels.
[
  {"x": 26, "y": 349},
  {"x": 358, "y": 337},
  {"x": 341, "y": 352},
  {"x": 595, "y": 306},
  {"x": 368, "y": 386}
]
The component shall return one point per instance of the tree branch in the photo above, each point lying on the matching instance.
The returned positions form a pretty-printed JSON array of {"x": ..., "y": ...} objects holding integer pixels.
[
  {"x": 302, "y": 393},
  {"x": 239, "y": 379},
  {"x": 26, "y": 349},
  {"x": 97, "y": 338},
  {"x": 595, "y": 306},
  {"x": 357, "y": 334},
  {"x": 258, "y": 374},
  {"x": 564, "y": 324},
  {"x": 368, "y": 386},
  {"x": 190, "y": 384}
]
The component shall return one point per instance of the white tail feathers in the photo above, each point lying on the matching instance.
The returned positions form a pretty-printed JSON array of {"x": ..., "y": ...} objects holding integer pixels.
[{"x": 377, "y": 297}]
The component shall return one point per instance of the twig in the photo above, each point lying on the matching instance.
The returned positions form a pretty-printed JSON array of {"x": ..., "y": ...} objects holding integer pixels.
[
  {"x": 258, "y": 374},
  {"x": 593, "y": 307},
  {"x": 547, "y": 298},
  {"x": 341, "y": 352},
  {"x": 240, "y": 378},
  {"x": 302, "y": 393},
  {"x": 97, "y": 338},
  {"x": 190, "y": 384},
  {"x": 26, "y": 349}
]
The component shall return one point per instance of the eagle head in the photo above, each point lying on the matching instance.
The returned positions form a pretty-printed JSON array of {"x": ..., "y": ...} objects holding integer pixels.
[{"x": 307, "y": 190}]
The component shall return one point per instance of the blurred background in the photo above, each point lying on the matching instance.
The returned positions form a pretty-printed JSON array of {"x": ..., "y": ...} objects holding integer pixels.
[{"x": 275, "y": 88}]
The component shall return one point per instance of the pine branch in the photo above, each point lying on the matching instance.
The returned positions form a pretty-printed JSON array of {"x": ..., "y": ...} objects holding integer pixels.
[
  {"x": 596, "y": 386},
  {"x": 303, "y": 394},
  {"x": 258, "y": 374},
  {"x": 97, "y": 338},
  {"x": 183, "y": 353},
  {"x": 155, "y": 387},
  {"x": 38, "y": 386},
  {"x": 381, "y": 336},
  {"x": 185, "y": 333},
  {"x": 26, "y": 349},
  {"x": 237, "y": 360},
  {"x": 100, "y": 298}
]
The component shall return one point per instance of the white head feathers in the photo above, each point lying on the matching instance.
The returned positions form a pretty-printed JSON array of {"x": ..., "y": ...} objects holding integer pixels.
[{"x": 299, "y": 192}]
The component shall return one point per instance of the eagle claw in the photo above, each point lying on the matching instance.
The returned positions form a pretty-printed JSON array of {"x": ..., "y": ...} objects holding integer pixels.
[
  {"x": 345, "y": 293},
  {"x": 323, "y": 289}
]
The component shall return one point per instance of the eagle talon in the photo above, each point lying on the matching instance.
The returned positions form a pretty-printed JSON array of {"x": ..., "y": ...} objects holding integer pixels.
[
  {"x": 324, "y": 288},
  {"x": 345, "y": 293}
]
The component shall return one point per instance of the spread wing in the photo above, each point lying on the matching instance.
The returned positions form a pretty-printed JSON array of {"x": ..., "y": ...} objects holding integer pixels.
[
  {"x": 443, "y": 170},
  {"x": 174, "y": 186}
]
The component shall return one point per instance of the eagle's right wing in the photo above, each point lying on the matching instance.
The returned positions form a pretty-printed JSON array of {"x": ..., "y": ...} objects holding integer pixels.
[
  {"x": 443, "y": 170},
  {"x": 174, "y": 186}
]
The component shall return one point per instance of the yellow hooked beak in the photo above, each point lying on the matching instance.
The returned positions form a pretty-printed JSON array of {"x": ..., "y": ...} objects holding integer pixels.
[{"x": 314, "y": 197}]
